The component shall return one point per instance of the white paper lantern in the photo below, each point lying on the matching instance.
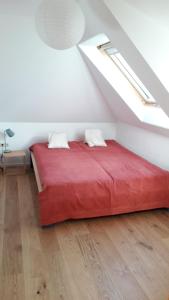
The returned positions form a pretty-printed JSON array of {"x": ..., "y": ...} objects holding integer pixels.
[{"x": 60, "y": 23}]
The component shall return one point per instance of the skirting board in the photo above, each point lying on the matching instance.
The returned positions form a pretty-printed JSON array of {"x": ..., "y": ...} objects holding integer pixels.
[{"x": 40, "y": 189}]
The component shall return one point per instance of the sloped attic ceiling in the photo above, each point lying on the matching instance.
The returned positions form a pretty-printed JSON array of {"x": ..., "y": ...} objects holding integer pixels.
[
  {"x": 120, "y": 76},
  {"x": 100, "y": 20},
  {"x": 153, "y": 8},
  {"x": 147, "y": 25}
]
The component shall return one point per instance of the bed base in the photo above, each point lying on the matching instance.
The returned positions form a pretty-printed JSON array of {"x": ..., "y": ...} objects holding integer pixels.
[{"x": 39, "y": 185}]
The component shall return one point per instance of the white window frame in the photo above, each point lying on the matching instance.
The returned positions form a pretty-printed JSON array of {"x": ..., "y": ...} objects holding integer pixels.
[{"x": 118, "y": 60}]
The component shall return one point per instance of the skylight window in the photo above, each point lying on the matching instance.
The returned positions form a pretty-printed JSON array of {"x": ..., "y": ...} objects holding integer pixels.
[
  {"x": 119, "y": 75},
  {"x": 119, "y": 61}
]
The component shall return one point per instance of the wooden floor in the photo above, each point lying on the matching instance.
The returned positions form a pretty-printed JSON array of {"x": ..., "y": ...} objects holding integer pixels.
[{"x": 121, "y": 257}]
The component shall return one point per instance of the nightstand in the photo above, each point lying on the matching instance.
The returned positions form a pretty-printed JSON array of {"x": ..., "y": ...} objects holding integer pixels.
[{"x": 12, "y": 155}]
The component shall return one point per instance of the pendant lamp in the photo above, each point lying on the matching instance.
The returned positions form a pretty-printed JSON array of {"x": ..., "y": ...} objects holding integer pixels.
[{"x": 60, "y": 23}]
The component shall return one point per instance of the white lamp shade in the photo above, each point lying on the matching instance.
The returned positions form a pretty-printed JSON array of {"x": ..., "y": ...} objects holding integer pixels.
[{"x": 60, "y": 23}]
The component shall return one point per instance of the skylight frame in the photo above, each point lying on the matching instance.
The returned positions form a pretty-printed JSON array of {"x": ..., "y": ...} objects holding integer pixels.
[{"x": 119, "y": 61}]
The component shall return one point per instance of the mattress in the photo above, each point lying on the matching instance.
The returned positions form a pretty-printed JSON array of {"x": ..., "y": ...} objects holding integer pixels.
[{"x": 84, "y": 182}]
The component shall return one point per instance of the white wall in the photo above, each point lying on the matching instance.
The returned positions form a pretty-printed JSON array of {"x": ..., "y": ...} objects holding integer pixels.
[
  {"x": 40, "y": 84},
  {"x": 28, "y": 133},
  {"x": 151, "y": 146}
]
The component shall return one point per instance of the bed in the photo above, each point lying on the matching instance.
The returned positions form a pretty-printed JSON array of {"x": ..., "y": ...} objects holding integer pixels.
[{"x": 84, "y": 182}]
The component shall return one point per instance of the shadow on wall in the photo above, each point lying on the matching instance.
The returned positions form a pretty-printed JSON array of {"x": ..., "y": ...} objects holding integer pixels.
[
  {"x": 1, "y": 139},
  {"x": 1, "y": 136}
]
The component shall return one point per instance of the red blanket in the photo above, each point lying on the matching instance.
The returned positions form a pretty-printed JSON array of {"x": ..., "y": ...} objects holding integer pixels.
[{"x": 83, "y": 182}]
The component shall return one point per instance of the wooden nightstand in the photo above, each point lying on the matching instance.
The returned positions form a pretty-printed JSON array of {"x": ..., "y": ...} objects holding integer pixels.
[{"x": 12, "y": 155}]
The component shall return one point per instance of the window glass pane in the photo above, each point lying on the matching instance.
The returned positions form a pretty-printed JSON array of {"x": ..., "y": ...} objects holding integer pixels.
[{"x": 126, "y": 70}]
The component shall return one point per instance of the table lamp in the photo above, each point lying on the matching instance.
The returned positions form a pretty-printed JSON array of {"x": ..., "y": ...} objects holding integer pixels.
[{"x": 7, "y": 132}]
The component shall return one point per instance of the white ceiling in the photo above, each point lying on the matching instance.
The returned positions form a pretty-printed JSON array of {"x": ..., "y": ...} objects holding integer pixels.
[
  {"x": 153, "y": 8},
  {"x": 19, "y": 7}
]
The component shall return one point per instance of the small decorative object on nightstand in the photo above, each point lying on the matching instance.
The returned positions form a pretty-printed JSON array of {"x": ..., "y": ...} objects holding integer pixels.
[
  {"x": 13, "y": 154},
  {"x": 7, "y": 132}
]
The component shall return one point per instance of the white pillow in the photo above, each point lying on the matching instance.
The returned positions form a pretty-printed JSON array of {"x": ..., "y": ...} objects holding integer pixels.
[
  {"x": 93, "y": 137},
  {"x": 57, "y": 140}
]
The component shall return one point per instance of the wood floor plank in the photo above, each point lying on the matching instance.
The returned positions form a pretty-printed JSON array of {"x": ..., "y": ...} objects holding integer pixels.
[
  {"x": 2, "y": 215},
  {"x": 79, "y": 278},
  {"x": 12, "y": 246},
  {"x": 12, "y": 287},
  {"x": 2, "y": 198},
  {"x": 34, "y": 265},
  {"x": 143, "y": 269},
  {"x": 149, "y": 250},
  {"x": 153, "y": 240},
  {"x": 112, "y": 258},
  {"x": 105, "y": 286},
  {"x": 58, "y": 282},
  {"x": 114, "y": 264},
  {"x": 160, "y": 223}
]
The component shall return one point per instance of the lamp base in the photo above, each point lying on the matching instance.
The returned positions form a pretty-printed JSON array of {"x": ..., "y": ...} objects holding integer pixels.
[{"x": 6, "y": 151}]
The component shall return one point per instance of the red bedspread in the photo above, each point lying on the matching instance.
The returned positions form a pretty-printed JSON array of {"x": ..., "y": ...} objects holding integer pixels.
[{"x": 83, "y": 182}]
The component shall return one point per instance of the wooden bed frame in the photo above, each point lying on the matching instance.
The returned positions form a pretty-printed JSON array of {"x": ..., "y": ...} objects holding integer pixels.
[{"x": 40, "y": 189}]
